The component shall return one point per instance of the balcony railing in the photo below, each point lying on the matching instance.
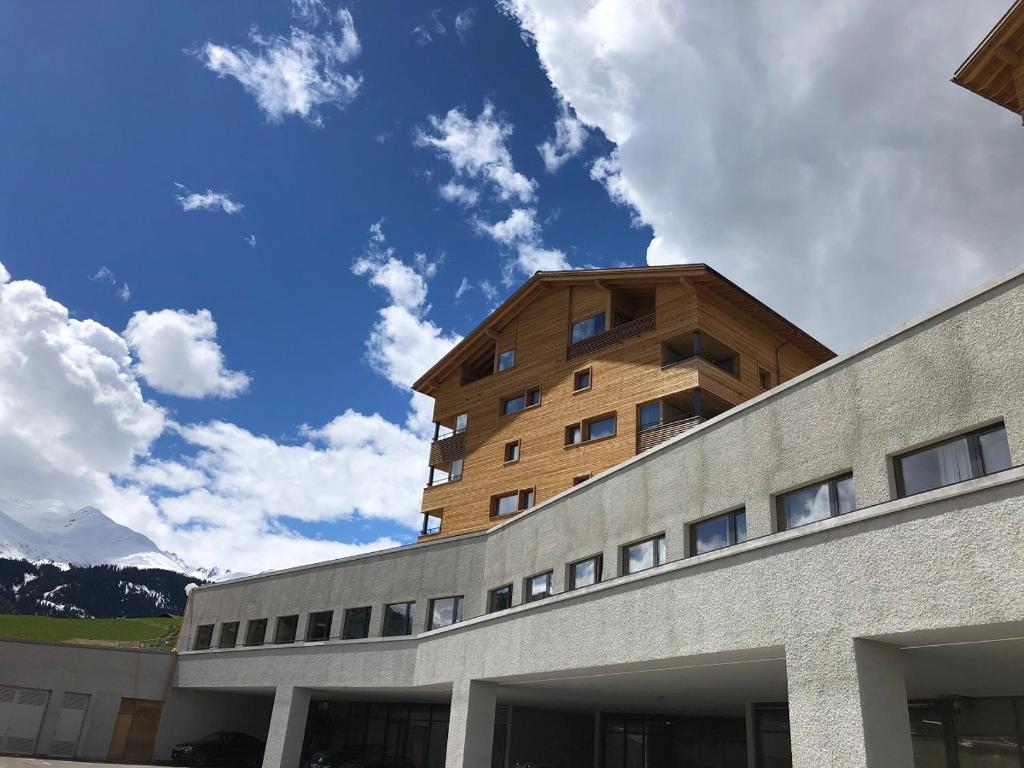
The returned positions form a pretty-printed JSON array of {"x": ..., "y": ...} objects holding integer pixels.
[
  {"x": 617, "y": 335},
  {"x": 649, "y": 437},
  {"x": 432, "y": 481},
  {"x": 447, "y": 449}
]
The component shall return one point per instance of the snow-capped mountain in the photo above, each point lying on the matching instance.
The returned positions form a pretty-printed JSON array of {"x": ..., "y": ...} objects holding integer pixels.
[{"x": 48, "y": 531}]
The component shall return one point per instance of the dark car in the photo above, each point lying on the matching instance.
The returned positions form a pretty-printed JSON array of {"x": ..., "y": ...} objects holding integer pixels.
[
  {"x": 220, "y": 748},
  {"x": 332, "y": 759}
]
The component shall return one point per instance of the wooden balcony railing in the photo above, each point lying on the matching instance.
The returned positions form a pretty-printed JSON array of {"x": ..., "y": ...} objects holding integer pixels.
[
  {"x": 448, "y": 449},
  {"x": 656, "y": 435},
  {"x": 616, "y": 335}
]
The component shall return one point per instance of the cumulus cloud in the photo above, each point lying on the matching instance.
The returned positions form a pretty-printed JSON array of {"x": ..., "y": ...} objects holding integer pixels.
[
  {"x": 454, "y": 192},
  {"x": 762, "y": 140},
  {"x": 208, "y": 201},
  {"x": 298, "y": 74},
  {"x": 179, "y": 355},
  {"x": 570, "y": 136}
]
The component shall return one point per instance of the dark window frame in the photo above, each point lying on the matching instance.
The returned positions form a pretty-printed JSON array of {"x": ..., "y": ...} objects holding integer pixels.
[
  {"x": 658, "y": 560},
  {"x": 522, "y": 495},
  {"x": 204, "y": 637},
  {"x": 584, "y": 427},
  {"x": 410, "y": 608},
  {"x": 518, "y": 444},
  {"x": 580, "y": 479},
  {"x": 733, "y": 537},
  {"x": 497, "y": 360},
  {"x": 603, "y": 314},
  {"x": 764, "y": 378},
  {"x": 347, "y": 622},
  {"x": 278, "y": 625},
  {"x": 589, "y": 372},
  {"x": 494, "y": 592},
  {"x": 977, "y": 460},
  {"x": 311, "y": 620},
  {"x": 833, "y": 500},
  {"x": 457, "y": 611},
  {"x": 528, "y": 591},
  {"x": 526, "y": 396},
  {"x": 250, "y": 625},
  {"x": 220, "y": 635},
  {"x": 598, "y": 570}
]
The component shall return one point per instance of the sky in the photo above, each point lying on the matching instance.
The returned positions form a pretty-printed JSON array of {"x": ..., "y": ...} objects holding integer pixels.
[{"x": 233, "y": 234}]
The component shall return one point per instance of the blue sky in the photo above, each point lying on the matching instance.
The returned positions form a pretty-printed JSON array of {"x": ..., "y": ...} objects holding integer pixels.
[{"x": 849, "y": 195}]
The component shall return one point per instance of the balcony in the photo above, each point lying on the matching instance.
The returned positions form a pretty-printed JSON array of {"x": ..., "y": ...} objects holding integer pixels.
[
  {"x": 648, "y": 437},
  {"x": 447, "y": 451},
  {"x": 671, "y": 415},
  {"x": 620, "y": 333}
]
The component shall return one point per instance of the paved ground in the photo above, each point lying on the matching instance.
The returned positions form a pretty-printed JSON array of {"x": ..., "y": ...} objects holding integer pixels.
[{"x": 49, "y": 762}]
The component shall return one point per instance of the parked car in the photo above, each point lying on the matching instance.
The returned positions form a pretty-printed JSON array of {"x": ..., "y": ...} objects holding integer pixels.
[
  {"x": 333, "y": 759},
  {"x": 223, "y": 747}
]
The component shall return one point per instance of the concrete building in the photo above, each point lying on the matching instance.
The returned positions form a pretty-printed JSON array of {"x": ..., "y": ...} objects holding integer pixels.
[{"x": 829, "y": 574}]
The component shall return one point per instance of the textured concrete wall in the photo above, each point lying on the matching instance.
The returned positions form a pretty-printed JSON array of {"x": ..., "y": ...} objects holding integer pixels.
[{"x": 106, "y": 674}]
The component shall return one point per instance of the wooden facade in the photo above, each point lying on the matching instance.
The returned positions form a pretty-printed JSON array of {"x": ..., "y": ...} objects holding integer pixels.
[
  {"x": 995, "y": 70},
  {"x": 655, "y": 319}
]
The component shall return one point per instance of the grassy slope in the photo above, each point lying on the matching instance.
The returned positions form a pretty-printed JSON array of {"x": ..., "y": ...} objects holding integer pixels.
[{"x": 131, "y": 633}]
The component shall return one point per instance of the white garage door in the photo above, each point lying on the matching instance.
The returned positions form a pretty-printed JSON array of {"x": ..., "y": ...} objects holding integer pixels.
[
  {"x": 21, "y": 716},
  {"x": 69, "y": 728}
]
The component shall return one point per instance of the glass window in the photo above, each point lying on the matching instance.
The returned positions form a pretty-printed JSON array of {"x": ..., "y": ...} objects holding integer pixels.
[
  {"x": 573, "y": 434},
  {"x": 398, "y": 619},
  {"x": 319, "y": 626},
  {"x": 356, "y": 624},
  {"x": 500, "y": 598},
  {"x": 581, "y": 380},
  {"x": 461, "y": 422},
  {"x": 256, "y": 632},
  {"x": 817, "y": 502},
  {"x": 507, "y": 504},
  {"x": 580, "y": 479},
  {"x": 650, "y": 415},
  {"x": 533, "y": 396},
  {"x": 585, "y": 572},
  {"x": 928, "y": 734},
  {"x": 507, "y": 359},
  {"x": 204, "y": 636},
  {"x": 963, "y": 458},
  {"x": 764, "y": 378},
  {"x": 456, "y": 471},
  {"x": 584, "y": 329},
  {"x": 287, "y": 626},
  {"x": 644, "y": 554},
  {"x": 513, "y": 404},
  {"x": 986, "y": 733},
  {"x": 445, "y": 611},
  {"x": 512, "y": 451},
  {"x": 538, "y": 587},
  {"x": 603, "y": 427},
  {"x": 228, "y": 635},
  {"x": 717, "y": 532},
  {"x": 526, "y": 498}
]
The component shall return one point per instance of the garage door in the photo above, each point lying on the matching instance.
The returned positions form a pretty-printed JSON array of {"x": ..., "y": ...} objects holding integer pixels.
[
  {"x": 21, "y": 716},
  {"x": 69, "y": 728}
]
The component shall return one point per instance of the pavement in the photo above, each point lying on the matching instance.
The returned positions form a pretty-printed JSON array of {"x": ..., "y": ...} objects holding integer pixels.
[{"x": 49, "y": 762}]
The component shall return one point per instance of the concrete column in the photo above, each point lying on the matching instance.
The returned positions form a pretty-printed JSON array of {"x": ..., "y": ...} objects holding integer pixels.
[
  {"x": 847, "y": 704},
  {"x": 471, "y": 724},
  {"x": 287, "y": 727}
]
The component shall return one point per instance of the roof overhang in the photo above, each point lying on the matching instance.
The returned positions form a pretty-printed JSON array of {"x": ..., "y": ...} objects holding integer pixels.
[
  {"x": 995, "y": 69},
  {"x": 699, "y": 274}
]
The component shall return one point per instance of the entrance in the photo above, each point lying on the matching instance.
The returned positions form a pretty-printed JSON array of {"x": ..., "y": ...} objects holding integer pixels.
[{"x": 659, "y": 741}]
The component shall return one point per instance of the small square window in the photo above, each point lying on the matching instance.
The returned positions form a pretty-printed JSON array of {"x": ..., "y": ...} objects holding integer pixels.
[
  {"x": 500, "y": 599},
  {"x": 581, "y": 380},
  {"x": 287, "y": 626},
  {"x": 505, "y": 504},
  {"x": 256, "y": 632},
  {"x": 513, "y": 405},
  {"x": 319, "y": 626},
  {"x": 573, "y": 434},
  {"x": 507, "y": 359},
  {"x": 643, "y": 555},
  {"x": 764, "y": 378},
  {"x": 356, "y": 624},
  {"x": 585, "y": 572},
  {"x": 595, "y": 429},
  {"x": 445, "y": 611},
  {"x": 649, "y": 415},
  {"x": 526, "y": 499},
  {"x": 580, "y": 479},
  {"x": 204, "y": 637},
  {"x": 461, "y": 422},
  {"x": 398, "y": 619},
  {"x": 538, "y": 587},
  {"x": 228, "y": 635},
  {"x": 533, "y": 396},
  {"x": 512, "y": 452}
]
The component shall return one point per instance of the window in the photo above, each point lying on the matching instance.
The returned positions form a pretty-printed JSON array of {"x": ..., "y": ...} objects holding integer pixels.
[
  {"x": 649, "y": 415},
  {"x": 356, "y": 624},
  {"x": 574, "y": 434},
  {"x": 717, "y": 532},
  {"x": 591, "y": 429},
  {"x": 319, "y": 626},
  {"x": 512, "y": 452},
  {"x": 398, "y": 619},
  {"x": 509, "y": 503},
  {"x": 585, "y": 572},
  {"x": 204, "y": 636},
  {"x": 643, "y": 555},
  {"x": 287, "y": 626},
  {"x": 461, "y": 422},
  {"x": 507, "y": 359},
  {"x": 456, "y": 470},
  {"x": 500, "y": 598},
  {"x": 580, "y": 479},
  {"x": 966, "y": 457},
  {"x": 816, "y": 502},
  {"x": 581, "y": 380},
  {"x": 432, "y": 521},
  {"x": 591, "y": 326},
  {"x": 526, "y": 498},
  {"x": 528, "y": 399},
  {"x": 445, "y": 611},
  {"x": 228, "y": 635},
  {"x": 256, "y": 632},
  {"x": 538, "y": 587},
  {"x": 764, "y": 378}
]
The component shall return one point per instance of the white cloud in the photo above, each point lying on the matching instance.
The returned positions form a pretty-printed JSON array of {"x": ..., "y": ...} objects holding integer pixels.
[
  {"x": 454, "y": 192},
  {"x": 298, "y": 74},
  {"x": 520, "y": 225},
  {"x": 179, "y": 355},
  {"x": 489, "y": 290},
  {"x": 208, "y": 201},
  {"x": 464, "y": 288},
  {"x": 464, "y": 21},
  {"x": 476, "y": 150},
  {"x": 251, "y": 240},
  {"x": 105, "y": 275},
  {"x": 124, "y": 292},
  {"x": 570, "y": 135},
  {"x": 532, "y": 258},
  {"x": 760, "y": 138}
]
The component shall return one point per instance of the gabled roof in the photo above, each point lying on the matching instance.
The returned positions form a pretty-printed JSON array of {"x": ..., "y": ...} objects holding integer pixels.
[
  {"x": 700, "y": 274},
  {"x": 995, "y": 69}
]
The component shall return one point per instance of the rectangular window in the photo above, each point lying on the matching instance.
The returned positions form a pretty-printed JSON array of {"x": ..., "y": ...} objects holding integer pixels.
[
  {"x": 538, "y": 587},
  {"x": 500, "y": 599},
  {"x": 228, "y": 635},
  {"x": 506, "y": 505},
  {"x": 764, "y": 378},
  {"x": 445, "y": 611},
  {"x": 574, "y": 434},
  {"x": 456, "y": 470},
  {"x": 511, "y": 451},
  {"x": 526, "y": 498},
  {"x": 204, "y": 636},
  {"x": 532, "y": 397},
  {"x": 461, "y": 422},
  {"x": 356, "y": 624},
  {"x": 817, "y": 502},
  {"x": 256, "y": 632},
  {"x": 975, "y": 454},
  {"x": 717, "y": 532},
  {"x": 580, "y": 479},
  {"x": 595, "y": 429},
  {"x": 591, "y": 326},
  {"x": 585, "y": 572},
  {"x": 649, "y": 415},
  {"x": 528, "y": 399},
  {"x": 398, "y": 619},
  {"x": 581, "y": 380},
  {"x": 507, "y": 359},
  {"x": 644, "y": 555},
  {"x": 319, "y": 625},
  {"x": 287, "y": 627}
]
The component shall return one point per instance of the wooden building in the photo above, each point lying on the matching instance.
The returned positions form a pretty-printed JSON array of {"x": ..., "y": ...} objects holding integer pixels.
[
  {"x": 580, "y": 370},
  {"x": 995, "y": 69}
]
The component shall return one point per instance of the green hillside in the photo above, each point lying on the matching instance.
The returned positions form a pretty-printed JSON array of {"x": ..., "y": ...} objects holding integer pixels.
[{"x": 160, "y": 633}]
